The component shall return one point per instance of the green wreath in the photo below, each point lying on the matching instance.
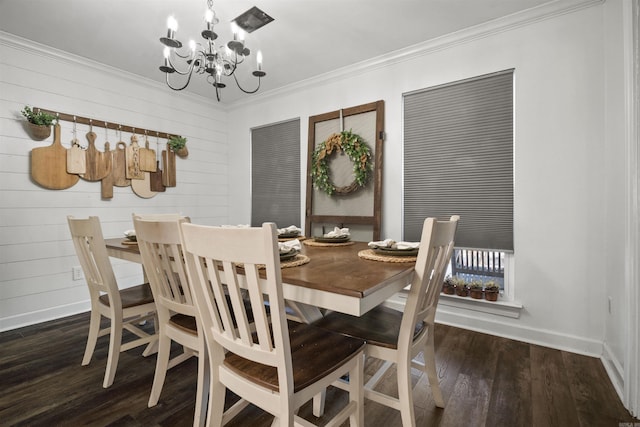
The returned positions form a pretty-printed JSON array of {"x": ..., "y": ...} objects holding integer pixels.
[{"x": 354, "y": 147}]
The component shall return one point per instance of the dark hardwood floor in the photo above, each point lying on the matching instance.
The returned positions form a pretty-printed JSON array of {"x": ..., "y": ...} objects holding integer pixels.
[{"x": 486, "y": 381}]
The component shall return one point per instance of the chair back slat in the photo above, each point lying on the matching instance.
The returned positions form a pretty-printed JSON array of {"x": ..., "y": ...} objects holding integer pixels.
[
  {"x": 436, "y": 248},
  {"x": 245, "y": 262},
  {"x": 162, "y": 256},
  {"x": 91, "y": 250}
]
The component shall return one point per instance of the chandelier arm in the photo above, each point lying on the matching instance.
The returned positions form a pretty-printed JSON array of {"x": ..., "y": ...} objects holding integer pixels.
[
  {"x": 246, "y": 91},
  {"x": 178, "y": 88},
  {"x": 189, "y": 69}
]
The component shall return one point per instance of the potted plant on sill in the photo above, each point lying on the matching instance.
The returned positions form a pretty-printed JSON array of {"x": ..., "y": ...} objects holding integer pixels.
[
  {"x": 475, "y": 289},
  {"x": 491, "y": 290},
  {"x": 449, "y": 287},
  {"x": 462, "y": 289},
  {"x": 178, "y": 145},
  {"x": 39, "y": 123}
]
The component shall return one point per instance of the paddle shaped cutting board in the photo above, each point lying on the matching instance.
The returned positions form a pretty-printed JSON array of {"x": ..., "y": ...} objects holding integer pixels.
[
  {"x": 119, "y": 169},
  {"x": 98, "y": 162},
  {"x": 156, "y": 179},
  {"x": 133, "y": 160},
  {"x": 49, "y": 165},
  {"x": 147, "y": 158},
  {"x": 106, "y": 183},
  {"x": 168, "y": 168}
]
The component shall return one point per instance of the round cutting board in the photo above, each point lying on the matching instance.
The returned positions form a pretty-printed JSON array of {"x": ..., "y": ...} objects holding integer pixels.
[{"x": 142, "y": 187}]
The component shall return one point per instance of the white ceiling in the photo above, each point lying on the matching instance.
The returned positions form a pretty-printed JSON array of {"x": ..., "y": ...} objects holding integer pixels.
[{"x": 306, "y": 39}]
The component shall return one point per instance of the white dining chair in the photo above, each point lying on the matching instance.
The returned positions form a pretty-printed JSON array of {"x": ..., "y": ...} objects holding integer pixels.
[
  {"x": 276, "y": 364},
  {"x": 125, "y": 308},
  {"x": 162, "y": 257},
  {"x": 398, "y": 337}
]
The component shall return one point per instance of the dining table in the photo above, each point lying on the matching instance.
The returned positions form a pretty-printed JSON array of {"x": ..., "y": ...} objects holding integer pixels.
[{"x": 334, "y": 278}]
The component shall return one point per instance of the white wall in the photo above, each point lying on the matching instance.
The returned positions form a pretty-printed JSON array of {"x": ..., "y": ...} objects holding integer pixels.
[
  {"x": 562, "y": 157},
  {"x": 36, "y": 255}
]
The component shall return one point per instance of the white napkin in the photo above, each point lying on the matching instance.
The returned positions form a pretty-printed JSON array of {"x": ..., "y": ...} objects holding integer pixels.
[
  {"x": 406, "y": 245},
  {"x": 288, "y": 246},
  {"x": 289, "y": 230},
  {"x": 338, "y": 232},
  {"x": 130, "y": 233},
  {"x": 386, "y": 243},
  {"x": 392, "y": 244}
]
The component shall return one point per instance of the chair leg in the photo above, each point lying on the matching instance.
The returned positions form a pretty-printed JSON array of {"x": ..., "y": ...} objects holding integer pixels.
[
  {"x": 430, "y": 370},
  {"x": 115, "y": 341},
  {"x": 202, "y": 391},
  {"x": 217, "y": 392},
  {"x": 318, "y": 403},
  {"x": 405, "y": 393},
  {"x": 162, "y": 364},
  {"x": 92, "y": 338},
  {"x": 356, "y": 393}
]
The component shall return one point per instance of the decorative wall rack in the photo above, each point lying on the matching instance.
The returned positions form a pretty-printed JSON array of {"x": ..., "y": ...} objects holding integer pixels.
[{"x": 104, "y": 124}]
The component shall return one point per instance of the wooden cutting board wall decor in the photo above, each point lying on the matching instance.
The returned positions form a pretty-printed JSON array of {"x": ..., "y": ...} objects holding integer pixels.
[
  {"x": 98, "y": 162},
  {"x": 133, "y": 160},
  {"x": 169, "y": 168},
  {"x": 56, "y": 167},
  {"x": 49, "y": 165},
  {"x": 147, "y": 157},
  {"x": 76, "y": 158},
  {"x": 119, "y": 171}
]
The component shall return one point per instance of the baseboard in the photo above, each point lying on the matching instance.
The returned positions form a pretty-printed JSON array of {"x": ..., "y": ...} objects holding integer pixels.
[
  {"x": 498, "y": 327},
  {"x": 26, "y": 319},
  {"x": 614, "y": 370}
]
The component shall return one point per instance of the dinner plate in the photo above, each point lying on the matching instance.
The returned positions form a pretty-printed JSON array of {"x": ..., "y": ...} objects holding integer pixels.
[
  {"x": 288, "y": 235},
  {"x": 289, "y": 255},
  {"x": 396, "y": 252},
  {"x": 339, "y": 239}
]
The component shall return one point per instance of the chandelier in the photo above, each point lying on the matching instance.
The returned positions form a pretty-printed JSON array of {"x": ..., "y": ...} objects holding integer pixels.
[{"x": 207, "y": 58}]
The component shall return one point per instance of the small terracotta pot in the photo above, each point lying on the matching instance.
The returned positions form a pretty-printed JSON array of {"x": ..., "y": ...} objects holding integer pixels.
[
  {"x": 491, "y": 295},
  {"x": 462, "y": 291},
  {"x": 449, "y": 289},
  {"x": 39, "y": 132},
  {"x": 476, "y": 293}
]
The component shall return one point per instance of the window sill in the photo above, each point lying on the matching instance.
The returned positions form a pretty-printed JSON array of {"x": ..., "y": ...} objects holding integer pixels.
[{"x": 498, "y": 308}]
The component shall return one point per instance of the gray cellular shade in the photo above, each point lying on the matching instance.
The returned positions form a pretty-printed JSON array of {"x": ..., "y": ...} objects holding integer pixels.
[
  {"x": 458, "y": 159},
  {"x": 275, "y": 174}
]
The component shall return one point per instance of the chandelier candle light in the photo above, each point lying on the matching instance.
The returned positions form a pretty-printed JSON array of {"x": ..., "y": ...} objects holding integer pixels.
[{"x": 207, "y": 58}]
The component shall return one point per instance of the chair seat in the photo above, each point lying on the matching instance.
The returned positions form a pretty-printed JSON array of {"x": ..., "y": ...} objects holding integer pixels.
[
  {"x": 327, "y": 349},
  {"x": 380, "y": 326},
  {"x": 184, "y": 322},
  {"x": 131, "y": 297}
]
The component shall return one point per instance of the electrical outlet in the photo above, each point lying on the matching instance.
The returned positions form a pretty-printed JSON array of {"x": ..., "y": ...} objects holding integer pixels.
[{"x": 77, "y": 273}]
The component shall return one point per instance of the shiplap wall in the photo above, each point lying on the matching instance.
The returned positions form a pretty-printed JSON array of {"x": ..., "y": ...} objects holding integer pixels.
[{"x": 36, "y": 254}]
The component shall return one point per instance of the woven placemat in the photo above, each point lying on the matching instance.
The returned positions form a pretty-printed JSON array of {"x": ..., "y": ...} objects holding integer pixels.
[
  {"x": 370, "y": 254},
  {"x": 293, "y": 262},
  {"x": 129, "y": 242},
  {"x": 314, "y": 243}
]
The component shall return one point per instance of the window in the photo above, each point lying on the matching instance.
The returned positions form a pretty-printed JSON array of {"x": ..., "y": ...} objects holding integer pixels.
[
  {"x": 275, "y": 174},
  {"x": 458, "y": 159}
]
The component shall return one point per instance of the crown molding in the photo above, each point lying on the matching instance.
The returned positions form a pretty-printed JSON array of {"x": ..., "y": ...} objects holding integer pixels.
[{"x": 546, "y": 11}]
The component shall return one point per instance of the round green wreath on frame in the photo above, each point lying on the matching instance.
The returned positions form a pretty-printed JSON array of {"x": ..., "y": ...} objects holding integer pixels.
[{"x": 354, "y": 147}]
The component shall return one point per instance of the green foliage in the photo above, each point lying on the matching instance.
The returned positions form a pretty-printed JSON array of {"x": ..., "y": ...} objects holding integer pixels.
[
  {"x": 490, "y": 285},
  {"x": 354, "y": 147},
  {"x": 38, "y": 118},
  {"x": 177, "y": 142},
  {"x": 476, "y": 285}
]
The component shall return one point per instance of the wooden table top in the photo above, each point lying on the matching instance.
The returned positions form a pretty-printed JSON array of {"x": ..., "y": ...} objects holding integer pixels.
[{"x": 335, "y": 277}]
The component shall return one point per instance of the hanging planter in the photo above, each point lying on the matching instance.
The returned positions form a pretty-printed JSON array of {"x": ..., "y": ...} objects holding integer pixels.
[
  {"x": 39, "y": 123},
  {"x": 179, "y": 145}
]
